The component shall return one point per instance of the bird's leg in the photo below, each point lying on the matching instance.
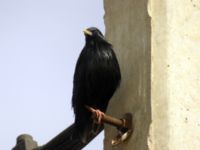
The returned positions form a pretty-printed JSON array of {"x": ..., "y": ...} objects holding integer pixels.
[{"x": 97, "y": 115}]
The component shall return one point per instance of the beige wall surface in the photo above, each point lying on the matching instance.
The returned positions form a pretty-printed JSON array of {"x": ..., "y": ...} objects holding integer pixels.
[
  {"x": 176, "y": 37},
  {"x": 157, "y": 43}
]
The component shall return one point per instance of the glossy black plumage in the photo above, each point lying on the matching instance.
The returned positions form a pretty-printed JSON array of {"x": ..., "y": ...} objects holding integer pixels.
[{"x": 97, "y": 76}]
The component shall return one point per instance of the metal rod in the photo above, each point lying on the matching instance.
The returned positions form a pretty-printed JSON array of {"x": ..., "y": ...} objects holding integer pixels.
[{"x": 118, "y": 123}]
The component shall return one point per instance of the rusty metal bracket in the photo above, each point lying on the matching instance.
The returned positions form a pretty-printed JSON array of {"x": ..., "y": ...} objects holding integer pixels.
[
  {"x": 124, "y": 126},
  {"x": 125, "y": 131}
]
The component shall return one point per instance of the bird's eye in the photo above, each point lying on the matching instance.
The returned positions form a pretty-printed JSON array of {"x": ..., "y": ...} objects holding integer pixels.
[{"x": 95, "y": 32}]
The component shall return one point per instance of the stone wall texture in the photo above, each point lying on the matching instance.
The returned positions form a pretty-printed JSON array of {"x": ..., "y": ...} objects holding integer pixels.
[
  {"x": 157, "y": 43},
  {"x": 128, "y": 29}
]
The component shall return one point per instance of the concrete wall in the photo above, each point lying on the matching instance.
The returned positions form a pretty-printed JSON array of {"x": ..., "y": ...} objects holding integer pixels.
[
  {"x": 175, "y": 75},
  {"x": 159, "y": 60},
  {"x": 128, "y": 29}
]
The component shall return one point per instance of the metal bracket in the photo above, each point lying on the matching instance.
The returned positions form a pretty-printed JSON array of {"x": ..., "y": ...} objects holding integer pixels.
[
  {"x": 124, "y": 126},
  {"x": 125, "y": 132}
]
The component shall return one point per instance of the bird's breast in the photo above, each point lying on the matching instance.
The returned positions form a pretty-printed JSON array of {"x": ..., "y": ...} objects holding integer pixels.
[{"x": 104, "y": 55}]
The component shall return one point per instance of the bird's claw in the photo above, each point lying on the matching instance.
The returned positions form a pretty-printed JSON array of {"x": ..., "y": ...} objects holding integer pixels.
[{"x": 97, "y": 115}]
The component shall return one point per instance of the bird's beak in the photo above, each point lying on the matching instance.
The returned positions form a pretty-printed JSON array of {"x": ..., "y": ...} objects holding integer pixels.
[{"x": 87, "y": 32}]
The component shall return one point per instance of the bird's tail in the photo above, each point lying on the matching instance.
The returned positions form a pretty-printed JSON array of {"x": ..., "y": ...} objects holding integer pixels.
[
  {"x": 84, "y": 133},
  {"x": 90, "y": 130}
]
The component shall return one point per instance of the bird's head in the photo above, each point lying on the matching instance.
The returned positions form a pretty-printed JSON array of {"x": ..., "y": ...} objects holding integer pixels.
[{"x": 93, "y": 34}]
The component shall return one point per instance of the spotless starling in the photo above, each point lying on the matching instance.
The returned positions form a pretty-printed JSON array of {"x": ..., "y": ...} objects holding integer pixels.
[{"x": 96, "y": 78}]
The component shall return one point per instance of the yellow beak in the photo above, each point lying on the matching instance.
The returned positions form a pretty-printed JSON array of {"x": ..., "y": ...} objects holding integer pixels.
[{"x": 87, "y": 32}]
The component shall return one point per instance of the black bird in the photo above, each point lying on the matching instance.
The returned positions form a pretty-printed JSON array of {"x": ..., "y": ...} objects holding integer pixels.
[{"x": 97, "y": 76}]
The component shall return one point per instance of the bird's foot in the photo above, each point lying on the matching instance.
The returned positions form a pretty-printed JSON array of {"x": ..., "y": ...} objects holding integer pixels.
[{"x": 97, "y": 115}]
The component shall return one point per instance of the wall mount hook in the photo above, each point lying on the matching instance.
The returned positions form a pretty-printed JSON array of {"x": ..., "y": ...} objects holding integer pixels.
[
  {"x": 124, "y": 132},
  {"x": 124, "y": 126}
]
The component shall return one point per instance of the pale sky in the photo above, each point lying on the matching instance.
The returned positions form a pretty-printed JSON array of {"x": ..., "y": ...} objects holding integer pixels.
[{"x": 40, "y": 41}]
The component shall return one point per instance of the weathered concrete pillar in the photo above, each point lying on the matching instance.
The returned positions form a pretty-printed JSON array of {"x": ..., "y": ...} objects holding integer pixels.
[
  {"x": 158, "y": 45},
  {"x": 128, "y": 29},
  {"x": 175, "y": 75}
]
